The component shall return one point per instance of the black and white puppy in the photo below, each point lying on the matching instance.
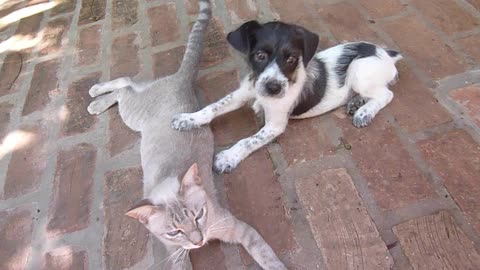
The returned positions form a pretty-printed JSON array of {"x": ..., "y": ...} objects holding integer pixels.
[{"x": 288, "y": 80}]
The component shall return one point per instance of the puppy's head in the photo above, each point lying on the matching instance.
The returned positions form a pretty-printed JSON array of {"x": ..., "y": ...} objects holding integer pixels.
[{"x": 275, "y": 52}]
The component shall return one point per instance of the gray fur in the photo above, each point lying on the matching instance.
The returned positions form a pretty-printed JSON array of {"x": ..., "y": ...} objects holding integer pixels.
[{"x": 174, "y": 199}]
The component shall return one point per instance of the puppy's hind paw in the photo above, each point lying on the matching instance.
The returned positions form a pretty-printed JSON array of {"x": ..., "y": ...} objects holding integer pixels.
[
  {"x": 354, "y": 104},
  {"x": 362, "y": 118},
  {"x": 183, "y": 121}
]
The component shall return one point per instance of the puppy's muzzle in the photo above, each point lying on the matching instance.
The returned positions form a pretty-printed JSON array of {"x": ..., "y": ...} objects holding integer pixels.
[{"x": 273, "y": 88}]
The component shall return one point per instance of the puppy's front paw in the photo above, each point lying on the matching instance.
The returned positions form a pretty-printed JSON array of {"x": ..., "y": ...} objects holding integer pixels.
[
  {"x": 184, "y": 121},
  {"x": 362, "y": 118},
  {"x": 225, "y": 162}
]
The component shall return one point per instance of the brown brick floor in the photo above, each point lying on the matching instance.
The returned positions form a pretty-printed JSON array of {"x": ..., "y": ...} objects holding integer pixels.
[{"x": 402, "y": 193}]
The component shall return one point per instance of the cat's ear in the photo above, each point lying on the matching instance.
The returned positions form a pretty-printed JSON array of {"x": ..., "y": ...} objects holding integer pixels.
[
  {"x": 191, "y": 178},
  {"x": 142, "y": 211}
]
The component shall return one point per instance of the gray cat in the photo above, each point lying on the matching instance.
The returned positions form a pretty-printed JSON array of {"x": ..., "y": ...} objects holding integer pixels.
[{"x": 182, "y": 212}]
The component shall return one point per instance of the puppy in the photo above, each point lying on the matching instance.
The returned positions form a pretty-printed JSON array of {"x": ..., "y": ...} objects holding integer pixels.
[{"x": 288, "y": 80}]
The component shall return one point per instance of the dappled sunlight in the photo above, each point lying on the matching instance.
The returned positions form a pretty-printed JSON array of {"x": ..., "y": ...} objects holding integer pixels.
[
  {"x": 26, "y": 12},
  {"x": 19, "y": 43},
  {"x": 61, "y": 258},
  {"x": 63, "y": 113},
  {"x": 16, "y": 140}
]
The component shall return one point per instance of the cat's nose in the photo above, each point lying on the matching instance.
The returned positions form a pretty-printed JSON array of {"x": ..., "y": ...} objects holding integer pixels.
[{"x": 197, "y": 238}]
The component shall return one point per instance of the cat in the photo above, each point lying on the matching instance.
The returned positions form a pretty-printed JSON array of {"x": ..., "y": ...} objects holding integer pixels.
[{"x": 182, "y": 212}]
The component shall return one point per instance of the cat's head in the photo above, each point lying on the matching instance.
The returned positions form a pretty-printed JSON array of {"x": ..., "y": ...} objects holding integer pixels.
[{"x": 181, "y": 219}]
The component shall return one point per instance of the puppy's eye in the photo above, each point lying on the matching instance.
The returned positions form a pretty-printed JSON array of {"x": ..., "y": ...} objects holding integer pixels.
[
  {"x": 199, "y": 215},
  {"x": 261, "y": 56},
  {"x": 174, "y": 233},
  {"x": 291, "y": 59}
]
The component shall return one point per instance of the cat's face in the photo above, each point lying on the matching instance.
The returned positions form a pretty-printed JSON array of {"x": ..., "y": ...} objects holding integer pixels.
[{"x": 181, "y": 221}]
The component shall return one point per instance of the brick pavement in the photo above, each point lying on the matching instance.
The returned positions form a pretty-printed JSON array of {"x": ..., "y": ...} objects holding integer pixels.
[{"x": 400, "y": 194}]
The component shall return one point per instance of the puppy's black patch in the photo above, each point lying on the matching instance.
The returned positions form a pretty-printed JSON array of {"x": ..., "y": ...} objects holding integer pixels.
[
  {"x": 314, "y": 88},
  {"x": 351, "y": 52}
]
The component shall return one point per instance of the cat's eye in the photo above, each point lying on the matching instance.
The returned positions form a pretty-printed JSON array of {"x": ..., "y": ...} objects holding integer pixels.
[
  {"x": 200, "y": 215},
  {"x": 174, "y": 233},
  {"x": 260, "y": 56},
  {"x": 291, "y": 59}
]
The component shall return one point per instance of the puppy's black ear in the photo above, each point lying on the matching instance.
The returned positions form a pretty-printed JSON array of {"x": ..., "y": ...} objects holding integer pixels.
[
  {"x": 240, "y": 39},
  {"x": 310, "y": 44}
]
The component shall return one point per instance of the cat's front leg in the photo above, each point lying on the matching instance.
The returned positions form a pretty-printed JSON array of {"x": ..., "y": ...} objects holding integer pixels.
[
  {"x": 254, "y": 244},
  {"x": 231, "y": 102}
]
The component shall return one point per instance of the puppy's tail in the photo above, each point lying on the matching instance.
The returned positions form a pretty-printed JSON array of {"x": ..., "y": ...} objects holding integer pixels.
[{"x": 394, "y": 55}]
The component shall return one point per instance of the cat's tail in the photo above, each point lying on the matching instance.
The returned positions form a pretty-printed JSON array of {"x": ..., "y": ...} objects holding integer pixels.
[{"x": 191, "y": 58}]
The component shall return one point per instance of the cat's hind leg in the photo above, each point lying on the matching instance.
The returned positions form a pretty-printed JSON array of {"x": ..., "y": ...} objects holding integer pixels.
[
  {"x": 102, "y": 103},
  {"x": 111, "y": 86}
]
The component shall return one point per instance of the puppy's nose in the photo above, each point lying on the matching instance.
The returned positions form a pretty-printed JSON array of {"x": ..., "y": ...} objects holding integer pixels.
[{"x": 273, "y": 88}]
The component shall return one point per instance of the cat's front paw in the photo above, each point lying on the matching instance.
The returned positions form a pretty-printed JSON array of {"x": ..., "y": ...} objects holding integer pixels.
[
  {"x": 226, "y": 161},
  {"x": 184, "y": 121}
]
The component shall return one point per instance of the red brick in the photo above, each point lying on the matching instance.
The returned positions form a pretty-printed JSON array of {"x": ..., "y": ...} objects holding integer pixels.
[
  {"x": 456, "y": 158},
  {"x": 9, "y": 7},
  {"x": 414, "y": 105},
  {"x": 241, "y": 10},
  {"x": 15, "y": 236},
  {"x": 215, "y": 49},
  {"x": 470, "y": 45},
  {"x": 53, "y": 34},
  {"x": 124, "y": 13},
  {"x": 296, "y": 12},
  {"x": 304, "y": 140},
  {"x": 340, "y": 222},
  {"x": 208, "y": 256},
  {"x": 43, "y": 86},
  {"x": 91, "y": 11},
  {"x": 78, "y": 120},
  {"x": 28, "y": 161},
  {"x": 428, "y": 50},
  {"x": 65, "y": 258},
  {"x": 469, "y": 97},
  {"x": 10, "y": 72},
  {"x": 191, "y": 6},
  {"x": 167, "y": 62},
  {"x": 29, "y": 26},
  {"x": 390, "y": 172},
  {"x": 475, "y": 3},
  {"x": 125, "y": 240},
  {"x": 64, "y": 7},
  {"x": 346, "y": 23},
  {"x": 5, "y": 110},
  {"x": 164, "y": 24},
  {"x": 72, "y": 190},
  {"x": 382, "y": 8},
  {"x": 447, "y": 15},
  {"x": 124, "y": 61},
  {"x": 88, "y": 45},
  {"x": 236, "y": 125},
  {"x": 437, "y": 242},
  {"x": 121, "y": 137},
  {"x": 255, "y": 196}
]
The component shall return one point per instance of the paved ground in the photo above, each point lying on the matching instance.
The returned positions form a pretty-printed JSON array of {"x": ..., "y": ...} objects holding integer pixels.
[{"x": 402, "y": 193}]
